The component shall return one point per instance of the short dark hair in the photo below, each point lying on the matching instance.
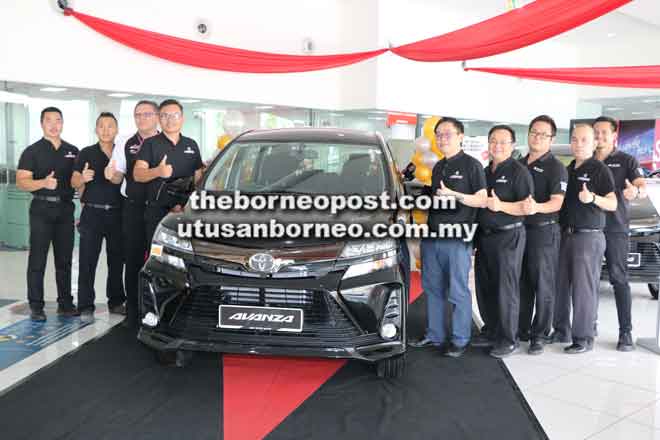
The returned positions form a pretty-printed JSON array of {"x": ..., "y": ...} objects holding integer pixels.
[
  {"x": 146, "y": 102},
  {"x": 503, "y": 127},
  {"x": 548, "y": 120},
  {"x": 106, "y": 115},
  {"x": 613, "y": 122},
  {"x": 170, "y": 102},
  {"x": 458, "y": 125},
  {"x": 49, "y": 110}
]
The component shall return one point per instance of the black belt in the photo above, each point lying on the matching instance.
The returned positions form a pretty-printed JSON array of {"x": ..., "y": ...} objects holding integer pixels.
[
  {"x": 54, "y": 199},
  {"x": 488, "y": 231},
  {"x": 105, "y": 207},
  {"x": 540, "y": 225},
  {"x": 572, "y": 230}
]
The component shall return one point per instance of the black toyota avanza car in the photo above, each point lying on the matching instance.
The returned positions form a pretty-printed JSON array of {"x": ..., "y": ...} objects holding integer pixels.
[{"x": 313, "y": 296}]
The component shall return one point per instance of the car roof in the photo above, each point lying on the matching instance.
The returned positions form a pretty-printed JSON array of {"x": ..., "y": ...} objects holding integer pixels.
[{"x": 332, "y": 135}]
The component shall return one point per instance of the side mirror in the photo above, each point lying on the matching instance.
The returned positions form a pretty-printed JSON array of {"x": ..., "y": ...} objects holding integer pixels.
[{"x": 416, "y": 189}]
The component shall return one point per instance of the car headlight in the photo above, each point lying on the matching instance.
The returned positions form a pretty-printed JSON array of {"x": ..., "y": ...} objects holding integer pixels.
[
  {"x": 363, "y": 248},
  {"x": 356, "y": 270},
  {"x": 170, "y": 239}
]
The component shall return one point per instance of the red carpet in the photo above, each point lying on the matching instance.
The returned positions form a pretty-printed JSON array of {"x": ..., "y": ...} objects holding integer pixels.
[{"x": 260, "y": 392}]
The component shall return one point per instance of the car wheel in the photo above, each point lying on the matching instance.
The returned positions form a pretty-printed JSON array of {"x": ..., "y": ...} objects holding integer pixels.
[
  {"x": 653, "y": 290},
  {"x": 391, "y": 368}
]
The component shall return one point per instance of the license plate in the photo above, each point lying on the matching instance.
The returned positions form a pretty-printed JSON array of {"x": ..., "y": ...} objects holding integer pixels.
[
  {"x": 634, "y": 259},
  {"x": 260, "y": 318}
]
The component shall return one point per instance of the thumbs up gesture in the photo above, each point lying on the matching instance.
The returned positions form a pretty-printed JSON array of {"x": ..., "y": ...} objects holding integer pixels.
[
  {"x": 50, "y": 182},
  {"x": 630, "y": 191},
  {"x": 444, "y": 191},
  {"x": 110, "y": 170},
  {"x": 529, "y": 206},
  {"x": 87, "y": 173},
  {"x": 585, "y": 195},
  {"x": 165, "y": 170},
  {"x": 493, "y": 202}
]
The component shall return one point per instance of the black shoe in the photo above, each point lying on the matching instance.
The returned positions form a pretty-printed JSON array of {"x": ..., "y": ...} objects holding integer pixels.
[
  {"x": 524, "y": 336},
  {"x": 37, "y": 315},
  {"x": 503, "y": 350},
  {"x": 535, "y": 348},
  {"x": 118, "y": 310},
  {"x": 454, "y": 351},
  {"x": 625, "y": 342},
  {"x": 424, "y": 342},
  {"x": 557, "y": 337},
  {"x": 482, "y": 340},
  {"x": 67, "y": 312},
  {"x": 577, "y": 348}
]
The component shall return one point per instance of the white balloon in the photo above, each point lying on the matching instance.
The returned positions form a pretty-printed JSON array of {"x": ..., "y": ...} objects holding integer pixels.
[
  {"x": 233, "y": 123},
  {"x": 422, "y": 144},
  {"x": 429, "y": 159}
]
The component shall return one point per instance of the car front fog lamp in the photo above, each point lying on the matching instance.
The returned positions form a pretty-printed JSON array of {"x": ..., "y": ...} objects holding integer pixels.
[
  {"x": 388, "y": 331},
  {"x": 150, "y": 320}
]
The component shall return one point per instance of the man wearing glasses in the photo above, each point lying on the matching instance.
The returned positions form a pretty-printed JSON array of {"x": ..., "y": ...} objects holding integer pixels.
[
  {"x": 163, "y": 158},
  {"x": 629, "y": 184},
  {"x": 501, "y": 243},
  {"x": 539, "y": 270},
  {"x": 134, "y": 198},
  {"x": 446, "y": 261}
]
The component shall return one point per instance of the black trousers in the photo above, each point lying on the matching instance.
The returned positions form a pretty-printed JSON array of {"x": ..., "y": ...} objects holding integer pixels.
[
  {"x": 616, "y": 258},
  {"x": 498, "y": 263},
  {"x": 538, "y": 282},
  {"x": 580, "y": 263},
  {"x": 153, "y": 214},
  {"x": 135, "y": 249},
  {"x": 50, "y": 223},
  {"x": 96, "y": 225}
]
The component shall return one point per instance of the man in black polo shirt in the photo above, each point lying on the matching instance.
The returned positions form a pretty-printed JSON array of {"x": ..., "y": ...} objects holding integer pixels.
[
  {"x": 124, "y": 156},
  {"x": 589, "y": 194},
  {"x": 629, "y": 184},
  {"x": 44, "y": 169},
  {"x": 538, "y": 282},
  {"x": 446, "y": 261},
  {"x": 100, "y": 219},
  {"x": 163, "y": 158},
  {"x": 501, "y": 243}
]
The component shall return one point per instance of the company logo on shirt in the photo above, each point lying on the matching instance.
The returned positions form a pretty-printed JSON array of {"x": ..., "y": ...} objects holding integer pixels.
[
  {"x": 537, "y": 169},
  {"x": 134, "y": 149},
  {"x": 563, "y": 186},
  {"x": 189, "y": 150},
  {"x": 456, "y": 175},
  {"x": 70, "y": 155},
  {"x": 614, "y": 165},
  {"x": 502, "y": 180},
  {"x": 584, "y": 178}
]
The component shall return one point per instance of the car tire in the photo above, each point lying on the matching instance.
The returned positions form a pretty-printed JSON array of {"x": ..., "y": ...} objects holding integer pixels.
[
  {"x": 653, "y": 290},
  {"x": 392, "y": 367}
]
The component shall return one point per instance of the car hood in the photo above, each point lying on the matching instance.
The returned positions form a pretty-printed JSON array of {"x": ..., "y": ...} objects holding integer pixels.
[
  {"x": 643, "y": 214},
  {"x": 366, "y": 219}
]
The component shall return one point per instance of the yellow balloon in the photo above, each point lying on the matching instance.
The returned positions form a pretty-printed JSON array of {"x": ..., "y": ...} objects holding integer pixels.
[
  {"x": 417, "y": 159},
  {"x": 420, "y": 217},
  {"x": 423, "y": 173},
  {"x": 223, "y": 141},
  {"x": 418, "y": 264},
  {"x": 429, "y": 125}
]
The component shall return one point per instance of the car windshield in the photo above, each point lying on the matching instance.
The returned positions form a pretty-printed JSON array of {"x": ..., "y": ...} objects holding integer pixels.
[{"x": 296, "y": 167}]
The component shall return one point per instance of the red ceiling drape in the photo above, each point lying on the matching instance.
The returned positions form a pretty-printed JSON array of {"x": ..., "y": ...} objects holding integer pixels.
[
  {"x": 211, "y": 56},
  {"x": 647, "y": 77},
  {"x": 517, "y": 28}
]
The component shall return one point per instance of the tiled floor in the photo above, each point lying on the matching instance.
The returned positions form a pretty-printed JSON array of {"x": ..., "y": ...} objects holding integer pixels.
[{"x": 602, "y": 395}]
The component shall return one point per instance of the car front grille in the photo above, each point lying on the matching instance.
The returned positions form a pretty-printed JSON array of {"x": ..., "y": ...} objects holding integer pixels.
[
  {"x": 325, "y": 324},
  {"x": 650, "y": 260}
]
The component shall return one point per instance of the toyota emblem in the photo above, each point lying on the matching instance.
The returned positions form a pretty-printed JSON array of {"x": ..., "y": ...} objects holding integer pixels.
[{"x": 262, "y": 263}]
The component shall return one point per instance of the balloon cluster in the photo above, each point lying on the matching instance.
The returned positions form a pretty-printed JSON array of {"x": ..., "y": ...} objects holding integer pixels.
[
  {"x": 425, "y": 157},
  {"x": 233, "y": 123}
]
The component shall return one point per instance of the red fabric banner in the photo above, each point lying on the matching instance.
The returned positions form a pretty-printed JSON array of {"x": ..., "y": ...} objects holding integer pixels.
[
  {"x": 645, "y": 77},
  {"x": 538, "y": 21},
  {"x": 518, "y": 28},
  {"x": 211, "y": 56}
]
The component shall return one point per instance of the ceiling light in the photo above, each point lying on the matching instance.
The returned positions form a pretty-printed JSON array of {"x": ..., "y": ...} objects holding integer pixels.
[
  {"x": 376, "y": 118},
  {"x": 189, "y": 101},
  {"x": 467, "y": 120},
  {"x": 336, "y": 114},
  {"x": 299, "y": 121},
  {"x": 378, "y": 112},
  {"x": 639, "y": 113},
  {"x": 263, "y": 107},
  {"x": 53, "y": 89},
  {"x": 119, "y": 95},
  {"x": 614, "y": 109}
]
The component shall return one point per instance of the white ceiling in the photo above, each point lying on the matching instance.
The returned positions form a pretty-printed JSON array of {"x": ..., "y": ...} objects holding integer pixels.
[{"x": 645, "y": 10}]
